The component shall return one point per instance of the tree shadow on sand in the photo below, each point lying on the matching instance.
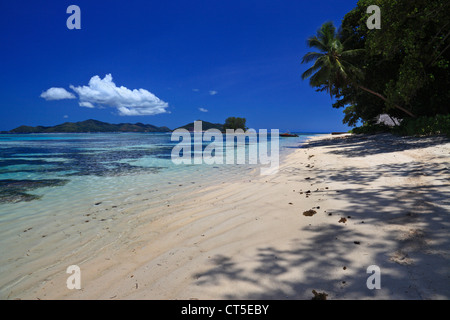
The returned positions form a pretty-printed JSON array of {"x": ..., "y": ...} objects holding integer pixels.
[
  {"x": 413, "y": 256},
  {"x": 364, "y": 145}
]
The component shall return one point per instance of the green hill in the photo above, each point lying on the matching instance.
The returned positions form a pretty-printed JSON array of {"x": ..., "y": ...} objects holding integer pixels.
[
  {"x": 91, "y": 126},
  {"x": 205, "y": 126}
]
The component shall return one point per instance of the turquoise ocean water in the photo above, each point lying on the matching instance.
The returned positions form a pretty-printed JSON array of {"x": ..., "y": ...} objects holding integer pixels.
[{"x": 50, "y": 183}]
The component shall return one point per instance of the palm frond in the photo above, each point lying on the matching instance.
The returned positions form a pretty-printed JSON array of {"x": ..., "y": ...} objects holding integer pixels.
[
  {"x": 321, "y": 77},
  {"x": 321, "y": 63},
  {"x": 352, "y": 53},
  {"x": 309, "y": 72},
  {"x": 332, "y": 69},
  {"x": 314, "y": 42},
  {"x": 310, "y": 56},
  {"x": 327, "y": 33}
]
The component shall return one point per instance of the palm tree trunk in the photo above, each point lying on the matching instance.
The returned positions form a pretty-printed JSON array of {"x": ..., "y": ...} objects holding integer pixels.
[{"x": 384, "y": 98}]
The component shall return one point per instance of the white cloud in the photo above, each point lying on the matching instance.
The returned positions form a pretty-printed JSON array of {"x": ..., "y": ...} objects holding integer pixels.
[
  {"x": 203, "y": 109},
  {"x": 57, "y": 94},
  {"x": 86, "y": 104},
  {"x": 104, "y": 92},
  {"x": 195, "y": 90},
  {"x": 213, "y": 92},
  {"x": 65, "y": 116}
]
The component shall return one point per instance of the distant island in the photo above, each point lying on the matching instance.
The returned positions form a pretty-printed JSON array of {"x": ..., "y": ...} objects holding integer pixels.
[
  {"x": 205, "y": 126},
  {"x": 90, "y": 126},
  {"x": 99, "y": 126}
]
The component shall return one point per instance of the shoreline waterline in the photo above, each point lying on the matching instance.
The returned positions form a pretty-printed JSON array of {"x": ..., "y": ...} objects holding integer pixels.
[
  {"x": 90, "y": 213},
  {"x": 367, "y": 201}
]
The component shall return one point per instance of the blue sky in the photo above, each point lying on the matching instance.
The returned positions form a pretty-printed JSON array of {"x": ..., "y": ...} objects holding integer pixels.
[{"x": 164, "y": 62}]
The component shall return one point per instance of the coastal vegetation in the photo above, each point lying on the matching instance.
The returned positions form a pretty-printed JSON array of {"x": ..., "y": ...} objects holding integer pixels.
[
  {"x": 401, "y": 70},
  {"x": 235, "y": 123}
]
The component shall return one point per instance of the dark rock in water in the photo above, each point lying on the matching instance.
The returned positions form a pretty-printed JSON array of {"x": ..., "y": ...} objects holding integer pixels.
[
  {"x": 13, "y": 196},
  {"x": 12, "y": 191},
  {"x": 30, "y": 184}
]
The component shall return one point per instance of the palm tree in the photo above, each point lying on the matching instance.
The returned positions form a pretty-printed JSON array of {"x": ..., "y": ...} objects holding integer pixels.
[{"x": 332, "y": 68}]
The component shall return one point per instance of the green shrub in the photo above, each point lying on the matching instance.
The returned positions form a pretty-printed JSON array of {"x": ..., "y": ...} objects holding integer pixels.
[
  {"x": 422, "y": 126},
  {"x": 439, "y": 124},
  {"x": 371, "y": 129}
]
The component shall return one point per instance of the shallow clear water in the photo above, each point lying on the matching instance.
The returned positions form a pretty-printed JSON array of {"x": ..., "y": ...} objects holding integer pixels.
[
  {"x": 89, "y": 167},
  {"x": 50, "y": 183}
]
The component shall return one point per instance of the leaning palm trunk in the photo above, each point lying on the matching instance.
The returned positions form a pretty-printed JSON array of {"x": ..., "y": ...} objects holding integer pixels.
[{"x": 384, "y": 99}]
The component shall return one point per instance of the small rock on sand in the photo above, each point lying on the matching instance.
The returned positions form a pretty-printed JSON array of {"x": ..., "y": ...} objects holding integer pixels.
[
  {"x": 309, "y": 213},
  {"x": 319, "y": 295}
]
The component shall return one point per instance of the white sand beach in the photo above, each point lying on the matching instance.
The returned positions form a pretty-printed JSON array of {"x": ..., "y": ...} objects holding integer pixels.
[{"x": 378, "y": 200}]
